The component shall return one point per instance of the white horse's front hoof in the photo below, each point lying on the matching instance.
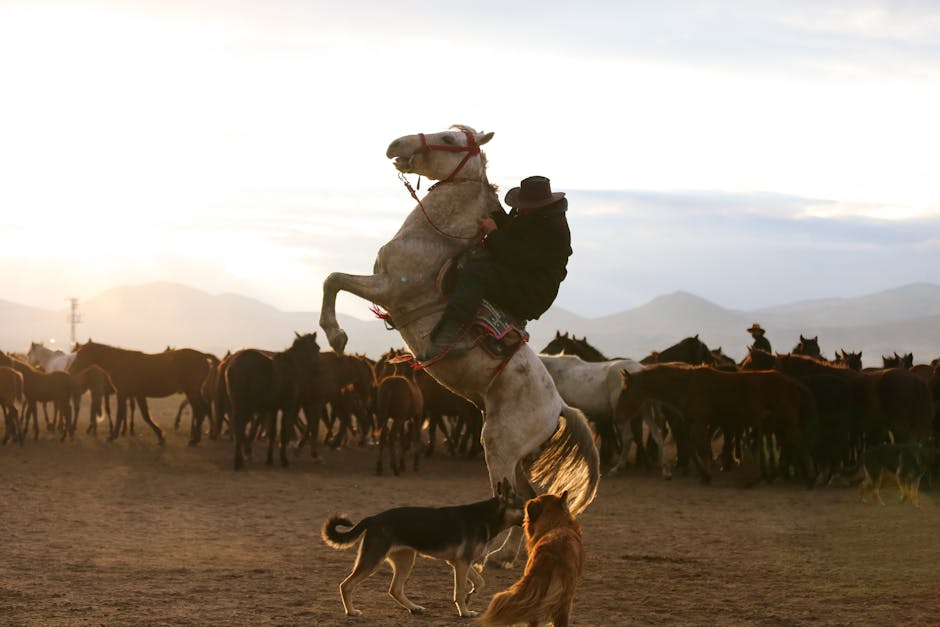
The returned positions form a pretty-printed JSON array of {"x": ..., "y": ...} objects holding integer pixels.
[{"x": 337, "y": 339}]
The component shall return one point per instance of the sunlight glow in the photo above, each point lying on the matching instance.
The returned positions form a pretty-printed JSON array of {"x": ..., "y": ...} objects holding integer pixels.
[{"x": 137, "y": 137}]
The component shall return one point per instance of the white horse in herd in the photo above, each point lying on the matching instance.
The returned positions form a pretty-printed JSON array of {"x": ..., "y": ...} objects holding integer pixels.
[
  {"x": 530, "y": 435},
  {"x": 594, "y": 388},
  {"x": 48, "y": 359}
]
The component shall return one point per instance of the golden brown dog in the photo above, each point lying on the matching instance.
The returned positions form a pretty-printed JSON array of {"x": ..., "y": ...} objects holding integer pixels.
[{"x": 545, "y": 593}]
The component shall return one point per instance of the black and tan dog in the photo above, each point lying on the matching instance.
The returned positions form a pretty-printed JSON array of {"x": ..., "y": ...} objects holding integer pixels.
[
  {"x": 457, "y": 535},
  {"x": 906, "y": 463}
]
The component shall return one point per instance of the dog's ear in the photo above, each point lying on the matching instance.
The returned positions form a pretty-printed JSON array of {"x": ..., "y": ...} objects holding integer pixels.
[
  {"x": 564, "y": 500},
  {"x": 533, "y": 509}
]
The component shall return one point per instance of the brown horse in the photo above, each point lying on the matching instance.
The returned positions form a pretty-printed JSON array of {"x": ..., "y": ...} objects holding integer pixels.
[
  {"x": 344, "y": 388},
  {"x": 41, "y": 387},
  {"x": 140, "y": 376},
  {"x": 764, "y": 402},
  {"x": 260, "y": 383},
  {"x": 399, "y": 408},
  {"x": 857, "y": 409},
  {"x": 11, "y": 393}
]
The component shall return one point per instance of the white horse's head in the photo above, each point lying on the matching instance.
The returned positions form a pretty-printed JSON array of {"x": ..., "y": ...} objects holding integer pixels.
[
  {"x": 449, "y": 155},
  {"x": 36, "y": 353}
]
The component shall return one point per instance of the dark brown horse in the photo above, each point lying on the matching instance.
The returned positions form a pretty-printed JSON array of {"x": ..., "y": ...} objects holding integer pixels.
[
  {"x": 563, "y": 344},
  {"x": 11, "y": 393},
  {"x": 808, "y": 347},
  {"x": 690, "y": 350},
  {"x": 898, "y": 361},
  {"x": 722, "y": 361},
  {"x": 344, "y": 388},
  {"x": 857, "y": 409},
  {"x": 852, "y": 361},
  {"x": 261, "y": 384},
  {"x": 763, "y": 403},
  {"x": 399, "y": 409}
]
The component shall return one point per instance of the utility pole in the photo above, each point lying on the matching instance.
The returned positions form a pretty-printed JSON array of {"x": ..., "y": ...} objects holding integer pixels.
[{"x": 75, "y": 318}]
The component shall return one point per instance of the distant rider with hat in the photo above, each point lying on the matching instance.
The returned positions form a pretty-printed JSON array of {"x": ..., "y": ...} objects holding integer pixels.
[
  {"x": 528, "y": 251},
  {"x": 761, "y": 343}
]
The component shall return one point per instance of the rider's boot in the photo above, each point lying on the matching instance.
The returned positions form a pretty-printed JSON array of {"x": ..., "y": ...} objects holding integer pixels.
[{"x": 445, "y": 335}]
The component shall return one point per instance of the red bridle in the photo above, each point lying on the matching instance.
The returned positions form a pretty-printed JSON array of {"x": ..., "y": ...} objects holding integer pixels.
[{"x": 471, "y": 149}]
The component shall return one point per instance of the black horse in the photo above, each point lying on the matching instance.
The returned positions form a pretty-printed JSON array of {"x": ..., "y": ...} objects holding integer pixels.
[
  {"x": 563, "y": 344},
  {"x": 690, "y": 350},
  {"x": 259, "y": 384}
]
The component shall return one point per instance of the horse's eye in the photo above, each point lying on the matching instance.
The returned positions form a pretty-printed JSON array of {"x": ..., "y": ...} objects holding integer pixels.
[{"x": 447, "y": 139}]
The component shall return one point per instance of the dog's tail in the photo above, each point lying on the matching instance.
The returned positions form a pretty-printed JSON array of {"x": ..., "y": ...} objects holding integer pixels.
[
  {"x": 570, "y": 461},
  {"x": 530, "y": 600},
  {"x": 342, "y": 539}
]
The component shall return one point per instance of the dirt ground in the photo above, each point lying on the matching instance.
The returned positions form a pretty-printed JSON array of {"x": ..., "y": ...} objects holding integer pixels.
[{"x": 130, "y": 533}]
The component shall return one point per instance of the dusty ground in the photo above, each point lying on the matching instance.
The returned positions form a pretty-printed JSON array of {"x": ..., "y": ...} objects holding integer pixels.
[{"x": 131, "y": 533}]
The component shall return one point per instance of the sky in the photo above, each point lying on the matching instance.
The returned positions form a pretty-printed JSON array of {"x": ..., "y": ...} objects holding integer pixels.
[{"x": 753, "y": 153}]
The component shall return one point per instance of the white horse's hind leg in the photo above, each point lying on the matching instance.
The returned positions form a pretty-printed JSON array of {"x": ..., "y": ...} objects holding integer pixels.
[
  {"x": 505, "y": 556},
  {"x": 374, "y": 288},
  {"x": 503, "y": 461}
]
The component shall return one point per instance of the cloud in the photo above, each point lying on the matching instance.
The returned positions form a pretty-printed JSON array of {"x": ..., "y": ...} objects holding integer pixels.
[{"x": 738, "y": 250}]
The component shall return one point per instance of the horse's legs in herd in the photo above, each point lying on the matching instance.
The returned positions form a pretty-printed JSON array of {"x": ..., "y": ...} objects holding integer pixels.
[
  {"x": 239, "y": 419},
  {"x": 121, "y": 417},
  {"x": 655, "y": 421},
  {"x": 50, "y": 424},
  {"x": 145, "y": 414},
  {"x": 312, "y": 433},
  {"x": 383, "y": 438},
  {"x": 179, "y": 413},
  {"x": 64, "y": 410},
  {"x": 288, "y": 420},
  {"x": 701, "y": 447},
  {"x": 397, "y": 445},
  {"x": 415, "y": 440},
  {"x": 11, "y": 422},
  {"x": 272, "y": 436},
  {"x": 32, "y": 411},
  {"x": 200, "y": 409}
]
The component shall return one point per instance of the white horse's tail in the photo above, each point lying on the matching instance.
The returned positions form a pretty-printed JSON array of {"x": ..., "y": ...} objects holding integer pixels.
[{"x": 569, "y": 461}]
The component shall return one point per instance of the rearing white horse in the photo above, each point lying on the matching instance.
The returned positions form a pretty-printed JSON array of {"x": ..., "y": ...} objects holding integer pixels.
[{"x": 524, "y": 414}]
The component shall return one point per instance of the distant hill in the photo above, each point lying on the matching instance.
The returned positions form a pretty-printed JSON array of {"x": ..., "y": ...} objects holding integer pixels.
[{"x": 152, "y": 316}]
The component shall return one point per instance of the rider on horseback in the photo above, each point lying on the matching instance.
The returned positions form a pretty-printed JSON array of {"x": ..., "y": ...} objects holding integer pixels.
[{"x": 528, "y": 251}]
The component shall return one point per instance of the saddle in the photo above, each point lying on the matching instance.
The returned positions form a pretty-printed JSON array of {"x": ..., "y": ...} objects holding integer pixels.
[{"x": 497, "y": 331}]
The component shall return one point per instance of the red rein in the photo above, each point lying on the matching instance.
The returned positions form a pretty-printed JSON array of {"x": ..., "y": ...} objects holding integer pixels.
[{"x": 471, "y": 149}]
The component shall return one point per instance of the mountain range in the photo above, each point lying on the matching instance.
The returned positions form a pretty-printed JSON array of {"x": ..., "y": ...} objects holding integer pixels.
[{"x": 152, "y": 316}]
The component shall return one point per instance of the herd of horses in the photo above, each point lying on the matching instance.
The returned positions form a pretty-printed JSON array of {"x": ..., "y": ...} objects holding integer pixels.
[
  {"x": 795, "y": 414},
  {"x": 789, "y": 415}
]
